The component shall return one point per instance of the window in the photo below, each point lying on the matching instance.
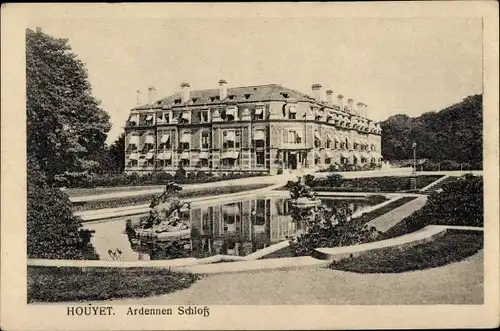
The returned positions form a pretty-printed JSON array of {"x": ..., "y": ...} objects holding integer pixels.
[
  {"x": 132, "y": 163},
  {"x": 185, "y": 117},
  {"x": 204, "y": 163},
  {"x": 258, "y": 113},
  {"x": 260, "y": 158},
  {"x": 292, "y": 136},
  {"x": 292, "y": 116},
  {"x": 177, "y": 101},
  {"x": 328, "y": 143},
  {"x": 259, "y": 143},
  {"x": 328, "y": 160},
  {"x": 205, "y": 140},
  {"x": 185, "y": 163},
  {"x": 237, "y": 140},
  {"x": 232, "y": 139},
  {"x": 184, "y": 145},
  {"x": 204, "y": 116},
  {"x": 337, "y": 145}
]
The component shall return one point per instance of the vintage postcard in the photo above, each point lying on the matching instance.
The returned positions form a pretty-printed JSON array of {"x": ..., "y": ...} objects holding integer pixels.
[{"x": 250, "y": 166}]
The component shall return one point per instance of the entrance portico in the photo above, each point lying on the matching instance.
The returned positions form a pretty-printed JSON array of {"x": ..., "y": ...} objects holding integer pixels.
[{"x": 295, "y": 159}]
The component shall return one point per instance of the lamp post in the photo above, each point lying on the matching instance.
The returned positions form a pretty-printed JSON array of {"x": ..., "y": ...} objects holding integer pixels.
[
  {"x": 414, "y": 146},
  {"x": 413, "y": 181}
]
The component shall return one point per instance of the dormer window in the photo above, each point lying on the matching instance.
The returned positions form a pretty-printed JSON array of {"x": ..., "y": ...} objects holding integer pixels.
[
  {"x": 158, "y": 102},
  {"x": 259, "y": 113},
  {"x": 231, "y": 97},
  {"x": 247, "y": 96},
  {"x": 292, "y": 113},
  {"x": 194, "y": 99},
  {"x": 284, "y": 95},
  {"x": 186, "y": 117},
  {"x": 177, "y": 101},
  {"x": 215, "y": 98}
]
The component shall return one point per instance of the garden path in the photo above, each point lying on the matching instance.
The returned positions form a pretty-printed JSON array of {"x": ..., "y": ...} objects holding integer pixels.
[
  {"x": 456, "y": 283},
  {"x": 393, "y": 217}
]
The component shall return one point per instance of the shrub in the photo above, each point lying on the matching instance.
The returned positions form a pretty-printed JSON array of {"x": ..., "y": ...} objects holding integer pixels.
[
  {"x": 335, "y": 180},
  {"x": 180, "y": 174},
  {"x": 53, "y": 232},
  {"x": 325, "y": 227}
]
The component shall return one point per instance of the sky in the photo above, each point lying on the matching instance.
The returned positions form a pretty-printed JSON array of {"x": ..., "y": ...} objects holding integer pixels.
[{"x": 394, "y": 65}]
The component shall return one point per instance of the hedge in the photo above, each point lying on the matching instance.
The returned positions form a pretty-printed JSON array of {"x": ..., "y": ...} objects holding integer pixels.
[
  {"x": 135, "y": 179},
  {"x": 146, "y": 198}
]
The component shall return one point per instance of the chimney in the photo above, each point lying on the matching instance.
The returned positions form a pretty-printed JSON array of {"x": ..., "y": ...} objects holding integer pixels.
[
  {"x": 317, "y": 91},
  {"x": 151, "y": 95},
  {"x": 360, "y": 109},
  {"x": 139, "y": 97},
  {"x": 329, "y": 97},
  {"x": 185, "y": 92},
  {"x": 350, "y": 105},
  {"x": 340, "y": 99},
  {"x": 222, "y": 89}
]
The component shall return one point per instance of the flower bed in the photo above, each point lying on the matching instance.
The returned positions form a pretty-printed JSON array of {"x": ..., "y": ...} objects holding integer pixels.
[
  {"x": 59, "y": 284},
  {"x": 146, "y": 198},
  {"x": 454, "y": 246}
]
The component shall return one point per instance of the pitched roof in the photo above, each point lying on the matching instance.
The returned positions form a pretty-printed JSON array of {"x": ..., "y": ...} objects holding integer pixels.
[{"x": 238, "y": 94}]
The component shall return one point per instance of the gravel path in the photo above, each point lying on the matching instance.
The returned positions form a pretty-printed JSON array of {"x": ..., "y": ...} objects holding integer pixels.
[{"x": 457, "y": 283}]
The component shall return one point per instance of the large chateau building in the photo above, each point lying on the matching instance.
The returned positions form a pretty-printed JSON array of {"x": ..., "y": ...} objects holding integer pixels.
[{"x": 249, "y": 129}]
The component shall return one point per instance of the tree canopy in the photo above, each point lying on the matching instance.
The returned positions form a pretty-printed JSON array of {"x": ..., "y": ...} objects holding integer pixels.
[
  {"x": 454, "y": 133},
  {"x": 65, "y": 124}
]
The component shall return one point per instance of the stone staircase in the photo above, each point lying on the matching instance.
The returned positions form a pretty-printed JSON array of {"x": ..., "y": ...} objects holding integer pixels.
[{"x": 438, "y": 185}]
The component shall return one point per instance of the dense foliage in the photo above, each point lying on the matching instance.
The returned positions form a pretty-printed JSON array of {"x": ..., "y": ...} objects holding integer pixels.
[
  {"x": 324, "y": 227},
  {"x": 459, "y": 203},
  {"x": 454, "y": 134},
  {"x": 66, "y": 128},
  {"x": 53, "y": 231}
]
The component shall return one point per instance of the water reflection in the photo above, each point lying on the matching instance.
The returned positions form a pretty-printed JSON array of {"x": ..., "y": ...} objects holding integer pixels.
[{"x": 239, "y": 228}]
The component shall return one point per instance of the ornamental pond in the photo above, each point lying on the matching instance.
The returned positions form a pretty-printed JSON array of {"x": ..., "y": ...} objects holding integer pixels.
[{"x": 237, "y": 228}]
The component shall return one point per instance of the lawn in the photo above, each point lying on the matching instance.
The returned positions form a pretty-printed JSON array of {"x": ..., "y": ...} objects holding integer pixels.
[
  {"x": 146, "y": 198},
  {"x": 454, "y": 246},
  {"x": 67, "y": 284}
]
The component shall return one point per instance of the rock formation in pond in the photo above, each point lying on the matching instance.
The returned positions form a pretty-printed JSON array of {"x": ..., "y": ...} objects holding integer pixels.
[{"x": 164, "y": 211}]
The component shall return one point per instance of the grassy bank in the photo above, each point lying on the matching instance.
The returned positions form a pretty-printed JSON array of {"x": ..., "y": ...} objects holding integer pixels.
[
  {"x": 66, "y": 284},
  {"x": 454, "y": 246},
  {"x": 146, "y": 198}
]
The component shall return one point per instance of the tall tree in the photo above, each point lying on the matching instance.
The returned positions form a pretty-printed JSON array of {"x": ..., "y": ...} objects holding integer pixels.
[
  {"x": 454, "y": 133},
  {"x": 117, "y": 153},
  {"x": 64, "y": 121}
]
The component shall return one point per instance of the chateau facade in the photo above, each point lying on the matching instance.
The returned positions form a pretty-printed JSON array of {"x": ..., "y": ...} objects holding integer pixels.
[{"x": 249, "y": 129}]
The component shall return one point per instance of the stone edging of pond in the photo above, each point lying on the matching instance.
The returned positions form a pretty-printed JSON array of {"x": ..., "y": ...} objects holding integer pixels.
[{"x": 227, "y": 264}]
